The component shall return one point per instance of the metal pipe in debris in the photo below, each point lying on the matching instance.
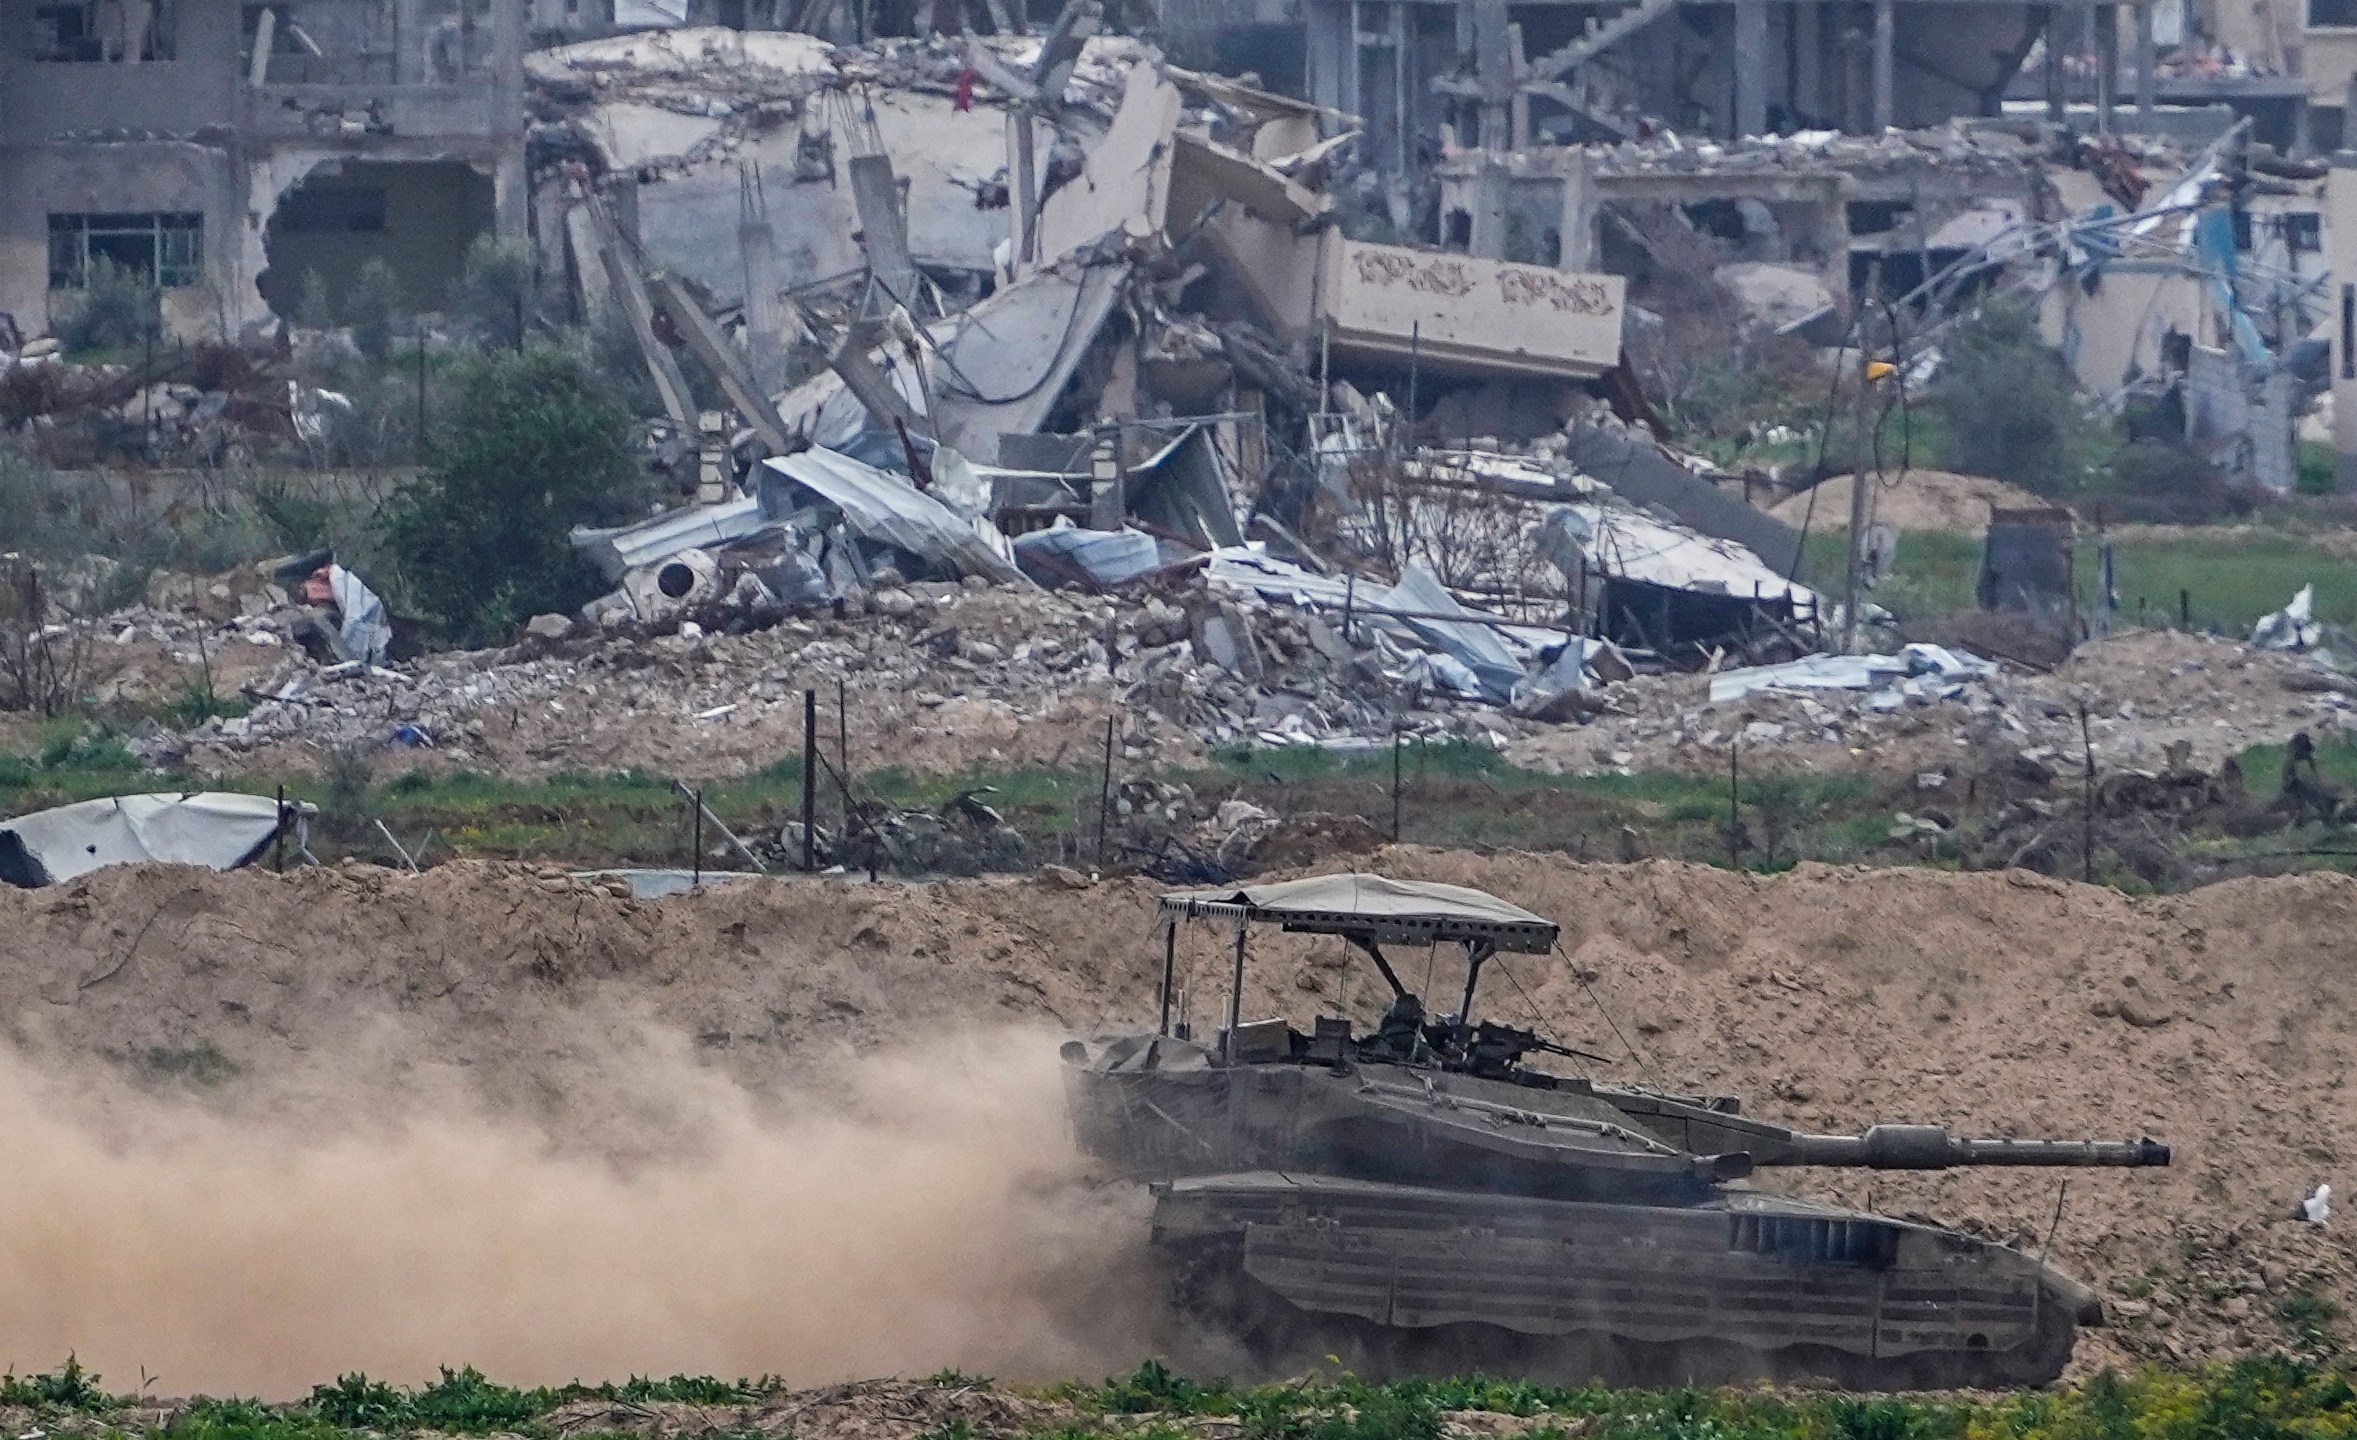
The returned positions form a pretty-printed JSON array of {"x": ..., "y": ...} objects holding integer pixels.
[{"x": 696, "y": 797}]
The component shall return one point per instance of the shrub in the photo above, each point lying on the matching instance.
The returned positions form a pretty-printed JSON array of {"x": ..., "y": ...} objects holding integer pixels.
[
  {"x": 2154, "y": 482},
  {"x": 530, "y": 451},
  {"x": 2010, "y": 405},
  {"x": 121, "y": 309}
]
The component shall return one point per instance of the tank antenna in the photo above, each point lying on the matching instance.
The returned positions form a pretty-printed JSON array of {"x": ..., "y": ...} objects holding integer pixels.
[
  {"x": 2061, "y": 1191},
  {"x": 1634, "y": 1053}
]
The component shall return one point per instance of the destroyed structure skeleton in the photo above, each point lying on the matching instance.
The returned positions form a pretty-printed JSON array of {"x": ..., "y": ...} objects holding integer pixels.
[{"x": 1051, "y": 311}]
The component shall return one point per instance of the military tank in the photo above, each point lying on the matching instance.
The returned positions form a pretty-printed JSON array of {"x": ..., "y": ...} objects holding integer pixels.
[{"x": 1423, "y": 1198}]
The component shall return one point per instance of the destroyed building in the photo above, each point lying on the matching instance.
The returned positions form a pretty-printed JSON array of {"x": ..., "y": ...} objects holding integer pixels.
[{"x": 222, "y": 153}]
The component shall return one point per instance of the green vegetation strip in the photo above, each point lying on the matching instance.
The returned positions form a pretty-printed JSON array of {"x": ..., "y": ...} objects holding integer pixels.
[
  {"x": 2263, "y": 1398},
  {"x": 1452, "y": 794},
  {"x": 2226, "y": 579}
]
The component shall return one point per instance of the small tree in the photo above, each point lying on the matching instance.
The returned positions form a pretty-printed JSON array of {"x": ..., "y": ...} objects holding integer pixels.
[
  {"x": 495, "y": 290},
  {"x": 2011, "y": 405},
  {"x": 530, "y": 450}
]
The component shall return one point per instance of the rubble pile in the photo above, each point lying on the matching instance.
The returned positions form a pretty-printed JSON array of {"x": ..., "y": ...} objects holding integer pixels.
[
  {"x": 2145, "y": 691},
  {"x": 182, "y": 404},
  {"x": 934, "y": 676},
  {"x": 1953, "y": 151},
  {"x": 943, "y": 676}
]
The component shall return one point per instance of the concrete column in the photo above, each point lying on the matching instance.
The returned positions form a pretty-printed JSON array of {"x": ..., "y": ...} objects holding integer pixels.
[
  {"x": 1493, "y": 188},
  {"x": 511, "y": 185},
  {"x": 2107, "y": 64},
  {"x": 409, "y": 42},
  {"x": 1354, "y": 71},
  {"x": 1492, "y": 70},
  {"x": 1402, "y": 105},
  {"x": 2057, "y": 104},
  {"x": 1577, "y": 249},
  {"x": 2145, "y": 103},
  {"x": 1329, "y": 51},
  {"x": 1808, "y": 68},
  {"x": 1885, "y": 61},
  {"x": 1751, "y": 67}
]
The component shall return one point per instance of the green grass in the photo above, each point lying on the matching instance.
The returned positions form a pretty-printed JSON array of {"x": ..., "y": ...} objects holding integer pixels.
[
  {"x": 2232, "y": 578},
  {"x": 2262, "y": 1397},
  {"x": 1451, "y": 794}
]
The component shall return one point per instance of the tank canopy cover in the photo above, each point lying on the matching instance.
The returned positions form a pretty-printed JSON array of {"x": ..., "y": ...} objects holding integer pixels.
[{"x": 1375, "y": 908}]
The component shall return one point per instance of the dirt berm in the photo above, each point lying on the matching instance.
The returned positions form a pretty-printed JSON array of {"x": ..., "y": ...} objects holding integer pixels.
[{"x": 1998, "y": 1004}]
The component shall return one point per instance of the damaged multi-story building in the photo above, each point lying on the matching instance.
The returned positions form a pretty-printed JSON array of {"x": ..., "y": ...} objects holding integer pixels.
[{"x": 227, "y": 153}]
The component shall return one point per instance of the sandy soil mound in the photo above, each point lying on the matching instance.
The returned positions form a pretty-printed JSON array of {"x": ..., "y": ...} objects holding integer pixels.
[
  {"x": 1916, "y": 500},
  {"x": 2001, "y": 1004}
]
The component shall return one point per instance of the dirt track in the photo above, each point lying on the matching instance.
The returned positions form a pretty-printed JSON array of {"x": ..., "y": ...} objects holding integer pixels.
[{"x": 1997, "y": 1003}]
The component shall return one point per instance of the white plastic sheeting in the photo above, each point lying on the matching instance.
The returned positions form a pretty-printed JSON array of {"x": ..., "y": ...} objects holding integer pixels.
[
  {"x": 1848, "y": 672},
  {"x": 365, "y": 631},
  {"x": 215, "y": 829},
  {"x": 2293, "y": 627},
  {"x": 887, "y": 509}
]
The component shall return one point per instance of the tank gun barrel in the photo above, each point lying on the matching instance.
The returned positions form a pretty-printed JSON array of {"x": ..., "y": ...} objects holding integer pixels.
[{"x": 1928, "y": 1147}]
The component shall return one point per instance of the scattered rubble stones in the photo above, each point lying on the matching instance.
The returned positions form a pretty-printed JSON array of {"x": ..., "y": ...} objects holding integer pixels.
[{"x": 938, "y": 677}]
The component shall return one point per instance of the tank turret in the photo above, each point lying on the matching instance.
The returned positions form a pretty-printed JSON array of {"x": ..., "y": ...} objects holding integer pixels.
[{"x": 1391, "y": 1195}]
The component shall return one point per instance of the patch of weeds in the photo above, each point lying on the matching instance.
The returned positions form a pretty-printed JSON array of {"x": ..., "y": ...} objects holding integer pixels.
[
  {"x": 959, "y": 1428},
  {"x": 359, "y": 1403},
  {"x": 2309, "y": 1316},
  {"x": 1153, "y": 1388},
  {"x": 1872, "y": 1419},
  {"x": 195, "y": 704},
  {"x": 241, "y": 1419},
  {"x": 68, "y": 1387},
  {"x": 954, "y": 1379},
  {"x": 466, "y": 1401},
  {"x": 684, "y": 1389}
]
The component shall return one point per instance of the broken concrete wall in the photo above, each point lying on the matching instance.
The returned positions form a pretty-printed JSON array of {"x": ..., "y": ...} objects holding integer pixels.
[
  {"x": 50, "y": 100},
  {"x": 2340, "y": 234},
  {"x": 133, "y": 178},
  {"x": 420, "y": 240},
  {"x": 419, "y": 218},
  {"x": 2119, "y": 327},
  {"x": 1125, "y": 181},
  {"x": 1456, "y": 313}
]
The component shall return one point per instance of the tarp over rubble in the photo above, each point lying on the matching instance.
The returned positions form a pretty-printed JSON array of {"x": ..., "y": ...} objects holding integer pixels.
[{"x": 216, "y": 829}]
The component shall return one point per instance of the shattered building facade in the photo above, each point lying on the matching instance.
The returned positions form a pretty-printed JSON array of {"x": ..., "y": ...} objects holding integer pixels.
[{"x": 224, "y": 153}]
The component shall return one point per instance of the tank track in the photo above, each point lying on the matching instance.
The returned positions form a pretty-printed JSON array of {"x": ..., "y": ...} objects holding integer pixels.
[{"x": 1234, "y": 1313}]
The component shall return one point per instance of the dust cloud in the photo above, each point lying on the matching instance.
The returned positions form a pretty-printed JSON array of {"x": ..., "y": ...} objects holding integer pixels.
[{"x": 924, "y": 1215}]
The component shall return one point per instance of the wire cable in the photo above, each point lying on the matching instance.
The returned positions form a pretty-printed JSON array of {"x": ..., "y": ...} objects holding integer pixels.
[{"x": 1634, "y": 1053}]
